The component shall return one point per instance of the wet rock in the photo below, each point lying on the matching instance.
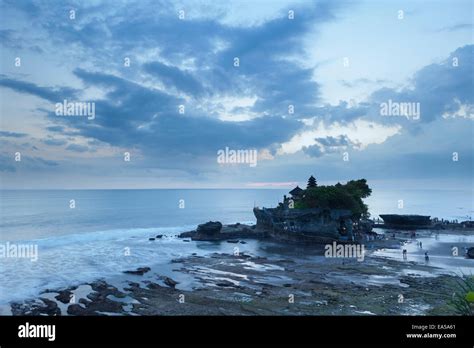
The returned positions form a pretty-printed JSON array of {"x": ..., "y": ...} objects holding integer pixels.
[
  {"x": 51, "y": 307},
  {"x": 215, "y": 231},
  {"x": 151, "y": 238},
  {"x": 209, "y": 228},
  {"x": 64, "y": 296},
  {"x": 42, "y": 306},
  {"x": 139, "y": 271},
  {"x": 76, "y": 309},
  {"x": 97, "y": 301},
  {"x": 152, "y": 286},
  {"x": 159, "y": 236},
  {"x": 99, "y": 285},
  {"x": 188, "y": 234},
  {"x": 170, "y": 282},
  {"x": 225, "y": 284},
  {"x": 133, "y": 286}
]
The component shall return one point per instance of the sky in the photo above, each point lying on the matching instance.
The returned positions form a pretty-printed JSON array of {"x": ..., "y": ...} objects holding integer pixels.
[{"x": 171, "y": 84}]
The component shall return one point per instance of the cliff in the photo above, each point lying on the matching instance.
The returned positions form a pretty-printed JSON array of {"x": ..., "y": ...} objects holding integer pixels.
[{"x": 305, "y": 225}]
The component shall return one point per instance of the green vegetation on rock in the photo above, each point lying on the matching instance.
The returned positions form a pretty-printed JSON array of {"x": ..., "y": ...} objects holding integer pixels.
[{"x": 348, "y": 196}]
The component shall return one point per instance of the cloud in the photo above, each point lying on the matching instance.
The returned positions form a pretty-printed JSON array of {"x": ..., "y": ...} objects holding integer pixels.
[
  {"x": 77, "y": 148},
  {"x": 439, "y": 88},
  {"x": 174, "y": 77},
  {"x": 27, "y": 163},
  {"x": 55, "y": 142},
  {"x": 329, "y": 145},
  {"x": 456, "y": 27},
  {"x": 55, "y": 128},
  {"x": 12, "y": 134},
  {"x": 191, "y": 62},
  {"x": 41, "y": 162},
  {"x": 361, "y": 81},
  {"x": 52, "y": 94}
]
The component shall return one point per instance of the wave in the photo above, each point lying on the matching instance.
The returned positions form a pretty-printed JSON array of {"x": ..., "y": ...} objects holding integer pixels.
[
  {"x": 77, "y": 258},
  {"x": 113, "y": 234}
]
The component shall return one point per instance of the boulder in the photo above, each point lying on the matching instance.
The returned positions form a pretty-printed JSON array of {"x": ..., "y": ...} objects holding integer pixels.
[
  {"x": 215, "y": 231},
  {"x": 64, "y": 296},
  {"x": 209, "y": 228},
  {"x": 138, "y": 271},
  {"x": 170, "y": 282}
]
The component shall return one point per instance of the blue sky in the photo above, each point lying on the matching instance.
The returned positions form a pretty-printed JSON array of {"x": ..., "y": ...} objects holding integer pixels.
[{"x": 335, "y": 63}]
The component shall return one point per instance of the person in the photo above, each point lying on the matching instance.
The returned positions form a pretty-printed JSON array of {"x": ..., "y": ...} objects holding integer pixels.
[
  {"x": 421, "y": 245},
  {"x": 404, "y": 253},
  {"x": 427, "y": 258}
]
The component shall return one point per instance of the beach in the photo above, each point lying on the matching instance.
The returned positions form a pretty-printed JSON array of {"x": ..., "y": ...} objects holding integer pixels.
[{"x": 250, "y": 277}]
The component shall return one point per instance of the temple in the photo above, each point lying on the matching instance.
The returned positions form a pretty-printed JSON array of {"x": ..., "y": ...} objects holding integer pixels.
[{"x": 316, "y": 225}]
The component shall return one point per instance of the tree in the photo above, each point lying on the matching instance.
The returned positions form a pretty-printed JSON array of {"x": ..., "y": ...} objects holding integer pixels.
[
  {"x": 348, "y": 196},
  {"x": 311, "y": 182},
  {"x": 359, "y": 188}
]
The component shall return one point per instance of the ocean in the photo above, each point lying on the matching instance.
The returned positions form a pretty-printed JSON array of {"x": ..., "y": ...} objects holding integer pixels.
[{"x": 107, "y": 231}]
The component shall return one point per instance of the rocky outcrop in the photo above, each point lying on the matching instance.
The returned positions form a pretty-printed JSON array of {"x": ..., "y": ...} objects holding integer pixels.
[
  {"x": 215, "y": 231},
  {"x": 210, "y": 228},
  {"x": 305, "y": 225},
  {"x": 406, "y": 221}
]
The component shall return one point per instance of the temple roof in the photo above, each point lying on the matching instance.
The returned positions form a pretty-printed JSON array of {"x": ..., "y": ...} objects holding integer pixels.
[{"x": 296, "y": 191}]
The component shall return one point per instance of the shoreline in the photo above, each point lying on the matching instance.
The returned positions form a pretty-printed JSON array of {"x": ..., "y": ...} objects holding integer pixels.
[{"x": 246, "y": 283}]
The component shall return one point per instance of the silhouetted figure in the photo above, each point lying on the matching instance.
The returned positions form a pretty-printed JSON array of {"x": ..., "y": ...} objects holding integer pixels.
[
  {"x": 427, "y": 258},
  {"x": 404, "y": 253},
  {"x": 421, "y": 245}
]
